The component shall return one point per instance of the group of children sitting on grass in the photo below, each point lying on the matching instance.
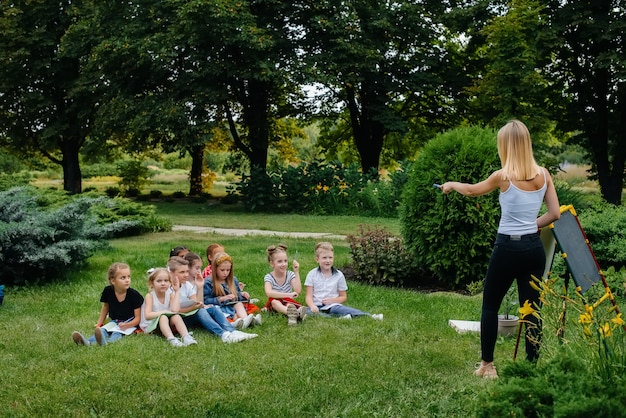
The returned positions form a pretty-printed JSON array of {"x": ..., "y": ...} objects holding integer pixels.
[{"x": 182, "y": 295}]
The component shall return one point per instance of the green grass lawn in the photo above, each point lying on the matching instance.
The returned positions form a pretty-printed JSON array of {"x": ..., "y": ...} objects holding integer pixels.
[
  {"x": 411, "y": 364},
  {"x": 229, "y": 216}
]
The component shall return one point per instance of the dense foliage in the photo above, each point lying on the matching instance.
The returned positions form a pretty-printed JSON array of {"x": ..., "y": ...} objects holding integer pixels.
[
  {"x": 85, "y": 79},
  {"x": 581, "y": 369},
  {"x": 43, "y": 235},
  {"x": 322, "y": 188},
  {"x": 605, "y": 227},
  {"x": 451, "y": 235},
  {"x": 562, "y": 387}
]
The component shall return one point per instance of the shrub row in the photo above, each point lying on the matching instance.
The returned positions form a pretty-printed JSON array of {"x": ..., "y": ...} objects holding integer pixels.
[{"x": 322, "y": 189}]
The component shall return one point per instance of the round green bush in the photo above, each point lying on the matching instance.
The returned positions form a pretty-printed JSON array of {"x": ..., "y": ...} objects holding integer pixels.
[
  {"x": 452, "y": 235},
  {"x": 605, "y": 227}
]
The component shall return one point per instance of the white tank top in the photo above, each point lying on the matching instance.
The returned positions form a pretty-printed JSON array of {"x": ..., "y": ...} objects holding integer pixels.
[
  {"x": 520, "y": 209},
  {"x": 156, "y": 306}
]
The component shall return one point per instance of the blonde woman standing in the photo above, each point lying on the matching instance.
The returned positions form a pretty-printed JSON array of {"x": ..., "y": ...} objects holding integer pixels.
[{"x": 518, "y": 252}]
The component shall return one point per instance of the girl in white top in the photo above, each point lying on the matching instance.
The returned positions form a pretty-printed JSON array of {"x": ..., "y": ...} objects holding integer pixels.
[{"x": 160, "y": 308}]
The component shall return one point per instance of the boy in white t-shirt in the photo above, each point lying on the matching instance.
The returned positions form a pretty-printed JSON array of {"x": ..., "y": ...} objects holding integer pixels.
[{"x": 326, "y": 287}]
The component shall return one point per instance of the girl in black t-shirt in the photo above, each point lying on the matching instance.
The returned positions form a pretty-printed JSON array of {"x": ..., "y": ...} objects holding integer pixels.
[{"x": 121, "y": 304}]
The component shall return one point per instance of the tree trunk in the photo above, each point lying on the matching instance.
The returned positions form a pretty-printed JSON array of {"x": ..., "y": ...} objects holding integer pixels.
[
  {"x": 604, "y": 138},
  {"x": 72, "y": 178},
  {"x": 257, "y": 120},
  {"x": 197, "y": 166},
  {"x": 370, "y": 145},
  {"x": 255, "y": 105},
  {"x": 368, "y": 133}
]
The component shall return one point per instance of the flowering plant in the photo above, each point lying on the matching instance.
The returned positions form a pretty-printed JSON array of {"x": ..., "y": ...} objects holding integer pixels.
[{"x": 595, "y": 332}]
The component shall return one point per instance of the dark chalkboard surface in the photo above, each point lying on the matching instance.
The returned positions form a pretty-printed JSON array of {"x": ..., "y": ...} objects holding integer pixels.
[{"x": 576, "y": 251}]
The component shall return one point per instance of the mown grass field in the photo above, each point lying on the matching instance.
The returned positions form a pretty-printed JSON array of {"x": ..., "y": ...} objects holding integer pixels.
[{"x": 410, "y": 364}]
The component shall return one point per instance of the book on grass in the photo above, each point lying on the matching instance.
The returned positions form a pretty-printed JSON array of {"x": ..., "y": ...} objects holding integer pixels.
[
  {"x": 327, "y": 307},
  {"x": 112, "y": 326},
  {"x": 155, "y": 322},
  {"x": 233, "y": 302},
  {"x": 187, "y": 303}
]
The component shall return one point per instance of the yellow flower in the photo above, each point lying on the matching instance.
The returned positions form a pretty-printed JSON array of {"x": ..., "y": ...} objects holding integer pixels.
[
  {"x": 534, "y": 286},
  {"x": 587, "y": 331},
  {"x": 605, "y": 330},
  {"x": 589, "y": 309},
  {"x": 325, "y": 188},
  {"x": 526, "y": 310},
  {"x": 618, "y": 320},
  {"x": 585, "y": 318}
]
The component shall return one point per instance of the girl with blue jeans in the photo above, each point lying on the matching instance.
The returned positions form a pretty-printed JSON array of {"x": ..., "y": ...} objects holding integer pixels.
[{"x": 209, "y": 317}]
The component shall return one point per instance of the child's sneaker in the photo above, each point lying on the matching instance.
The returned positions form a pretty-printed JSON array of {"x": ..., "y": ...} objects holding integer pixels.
[
  {"x": 301, "y": 313},
  {"x": 377, "y": 316},
  {"x": 292, "y": 314},
  {"x": 346, "y": 316},
  {"x": 258, "y": 320},
  {"x": 175, "y": 342},
  {"x": 101, "y": 336},
  {"x": 189, "y": 340},
  {"x": 245, "y": 335},
  {"x": 237, "y": 323},
  {"x": 79, "y": 339},
  {"x": 230, "y": 337},
  {"x": 247, "y": 321}
]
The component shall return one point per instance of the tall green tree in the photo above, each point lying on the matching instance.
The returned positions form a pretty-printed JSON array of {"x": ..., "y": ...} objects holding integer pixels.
[
  {"x": 247, "y": 50},
  {"x": 171, "y": 71},
  {"x": 558, "y": 64},
  {"x": 588, "y": 47},
  {"x": 151, "y": 96},
  {"x": 44, "y": 109},
  {"x": 380, "y": 61},
  {"x": 514, "y": 82}
]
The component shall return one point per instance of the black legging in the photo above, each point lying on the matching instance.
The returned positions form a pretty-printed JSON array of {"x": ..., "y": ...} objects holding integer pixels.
[{"x": 512, "y": 259}]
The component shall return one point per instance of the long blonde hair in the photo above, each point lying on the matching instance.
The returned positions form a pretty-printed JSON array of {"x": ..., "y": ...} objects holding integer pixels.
[
  {"x": 516, "y": 152},
  {"x": 218, "y": 290}
]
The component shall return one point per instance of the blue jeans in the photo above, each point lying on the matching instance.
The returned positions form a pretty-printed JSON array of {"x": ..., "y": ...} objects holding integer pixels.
[
  {"x": 109, "y": 338},
  {"x": 513, "y": 258},
  {"x": 338, "y": 310},
  {"x": 212, "y": 319}
]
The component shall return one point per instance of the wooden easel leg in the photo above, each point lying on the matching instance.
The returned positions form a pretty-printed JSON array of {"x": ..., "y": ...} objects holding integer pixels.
[
  {"x": 519, "y": 334},
  {"x": 561, "y": 332}
]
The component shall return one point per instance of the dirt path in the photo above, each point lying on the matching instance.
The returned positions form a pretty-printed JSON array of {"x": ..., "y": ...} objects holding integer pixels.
[{"x": 244, "y": 232}]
